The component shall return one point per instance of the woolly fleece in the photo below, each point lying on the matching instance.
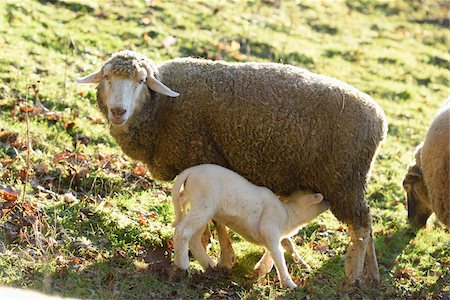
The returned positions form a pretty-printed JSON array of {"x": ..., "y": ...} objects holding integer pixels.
[{"x": 436, "y": 163}]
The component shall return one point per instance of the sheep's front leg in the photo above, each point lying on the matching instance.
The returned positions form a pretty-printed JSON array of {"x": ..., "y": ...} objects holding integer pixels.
[
  {"x": 264, "y": 265},
  {"x": 289, "y": 246},
  {"x": 227, "y": 256},
  {"x": 274, "y": 246}
]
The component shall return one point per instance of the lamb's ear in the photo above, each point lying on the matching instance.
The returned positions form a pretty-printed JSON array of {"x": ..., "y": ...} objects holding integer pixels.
[
  {"x": 159, "y": 87},
  {"x": 91, "y": 78},
  {"x": 314, "y": 198}
]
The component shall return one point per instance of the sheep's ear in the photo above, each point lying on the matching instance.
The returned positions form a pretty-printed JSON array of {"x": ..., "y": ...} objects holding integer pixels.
[
  {"x": 314, "y": 198},
  {"x": 414, "y": 175},
  {"x": 91, "y": 78},
  {"x": 159, "y": 87}
]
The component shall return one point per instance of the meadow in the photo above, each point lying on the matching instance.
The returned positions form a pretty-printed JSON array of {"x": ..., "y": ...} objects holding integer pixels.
[{"x": 80, "y": 219}]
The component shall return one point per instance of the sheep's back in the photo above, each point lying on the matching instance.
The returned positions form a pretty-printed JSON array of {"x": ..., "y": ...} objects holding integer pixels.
[{"x": 436, "y": 164}]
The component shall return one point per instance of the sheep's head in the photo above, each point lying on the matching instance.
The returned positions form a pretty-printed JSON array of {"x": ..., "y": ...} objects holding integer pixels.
[
  {"x": 122, "y": 80},
  {"x": 419, "y": 204}
]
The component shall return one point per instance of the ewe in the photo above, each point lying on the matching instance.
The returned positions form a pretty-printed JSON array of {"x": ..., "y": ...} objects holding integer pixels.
[{"x": 427, "y": 182}]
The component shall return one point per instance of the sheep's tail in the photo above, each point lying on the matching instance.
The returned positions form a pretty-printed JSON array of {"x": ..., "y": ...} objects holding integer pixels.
[{"x": 178, "y": 203}]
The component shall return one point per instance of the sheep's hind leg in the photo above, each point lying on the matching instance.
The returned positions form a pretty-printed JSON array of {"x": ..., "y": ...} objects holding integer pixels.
[
  {"x": 371, "y": 272},
  {"x": 227, "y": 256},
  {"x": 356, "y": 252}
]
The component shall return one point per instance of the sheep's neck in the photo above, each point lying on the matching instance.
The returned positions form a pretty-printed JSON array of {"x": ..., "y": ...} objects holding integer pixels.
[{"x": 139, "y": 133}]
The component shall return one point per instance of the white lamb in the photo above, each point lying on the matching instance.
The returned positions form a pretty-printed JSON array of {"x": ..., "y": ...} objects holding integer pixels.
[{"x": 254, "y": 212}]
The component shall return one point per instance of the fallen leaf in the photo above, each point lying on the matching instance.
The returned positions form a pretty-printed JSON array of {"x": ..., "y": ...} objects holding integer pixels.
[
  {"x": 142, "y": 219},
  {"x": 69, "y": 125},
  {"x": 121, "y": 253},
  {"x": 8, "y": 137},
  {"x": 139, "y": 170},
  {"x": 170, "y": 245},
  {"x": 76, "y": 260},
  {"x": 40, "y": 168},
  {"x": 403, "y": 273},
  {"x": 110, "y": 278},
  {"x": 8, "y": 194},
  {"x": 154, "y": 215}
]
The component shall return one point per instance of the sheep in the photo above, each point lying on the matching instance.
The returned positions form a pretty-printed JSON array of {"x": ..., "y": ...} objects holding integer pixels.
[
  {"x": 215, "y": 192},
  {"x": 427, "y": 182},
  {"x": 277, "y": 125}
]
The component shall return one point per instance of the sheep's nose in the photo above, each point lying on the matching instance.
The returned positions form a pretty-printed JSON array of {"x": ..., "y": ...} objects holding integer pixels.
[{"x": 118, "y": 111}]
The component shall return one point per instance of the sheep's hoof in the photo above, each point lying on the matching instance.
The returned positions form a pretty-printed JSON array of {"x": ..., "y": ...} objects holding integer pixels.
[
  {"x": 372, "y": 279},
  {"x": 226, "y": 263}
]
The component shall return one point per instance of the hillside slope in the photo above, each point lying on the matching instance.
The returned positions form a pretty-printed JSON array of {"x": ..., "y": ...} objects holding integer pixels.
[{"x": 93, "y": 224}]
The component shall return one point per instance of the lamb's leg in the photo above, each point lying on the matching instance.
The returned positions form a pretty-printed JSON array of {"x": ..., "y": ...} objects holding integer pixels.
[
  {"x": 289, "y": 246},
  {"x": 264, "y": 265},
  {"x": 274, "y": 246},
  {"x": 198, "y": 251},
  {"x": 181, "y": 239},
  {"x": 206, "y": 235},
  {"x": 190, "y": 225},
  {"x": 227, "y": 256}
]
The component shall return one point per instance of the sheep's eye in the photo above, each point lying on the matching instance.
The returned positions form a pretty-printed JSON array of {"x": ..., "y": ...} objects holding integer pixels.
[
  {"x": 141, "y": 81},
  {"x": 106, "y": 77}
]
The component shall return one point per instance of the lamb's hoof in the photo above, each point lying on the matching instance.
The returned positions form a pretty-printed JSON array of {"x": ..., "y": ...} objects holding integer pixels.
[
  {"x": 289, "y": 284},
  {"x": 260, "y": 273},
  {"x": 262, "y": 269}
]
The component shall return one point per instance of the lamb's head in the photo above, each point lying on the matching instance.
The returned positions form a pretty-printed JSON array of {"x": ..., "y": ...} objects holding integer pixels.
[
  {"x": 310, "y": 205},
  {"x": 124, "y": 81},
  {"x": 419, "y": 204}
]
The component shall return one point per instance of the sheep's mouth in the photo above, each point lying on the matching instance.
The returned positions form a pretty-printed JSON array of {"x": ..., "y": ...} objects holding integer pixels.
[{"x": 117, "y": 121}]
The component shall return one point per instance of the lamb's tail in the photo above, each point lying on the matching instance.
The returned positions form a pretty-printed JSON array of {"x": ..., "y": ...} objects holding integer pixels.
[{"x": 178, "y": 200}]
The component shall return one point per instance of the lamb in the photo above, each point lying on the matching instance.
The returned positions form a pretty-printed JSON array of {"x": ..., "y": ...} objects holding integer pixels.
[
  {"x": 254, "y": 212},
  {"x": 277, "y": 125},
  {"x": 427, "y": 182}
]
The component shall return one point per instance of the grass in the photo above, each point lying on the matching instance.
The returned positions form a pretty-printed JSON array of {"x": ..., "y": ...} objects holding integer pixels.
[{"x": 93, "y": 224}]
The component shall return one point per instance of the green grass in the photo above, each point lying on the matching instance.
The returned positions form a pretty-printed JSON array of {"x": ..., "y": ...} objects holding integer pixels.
[{"x": 103, "y": 241}]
